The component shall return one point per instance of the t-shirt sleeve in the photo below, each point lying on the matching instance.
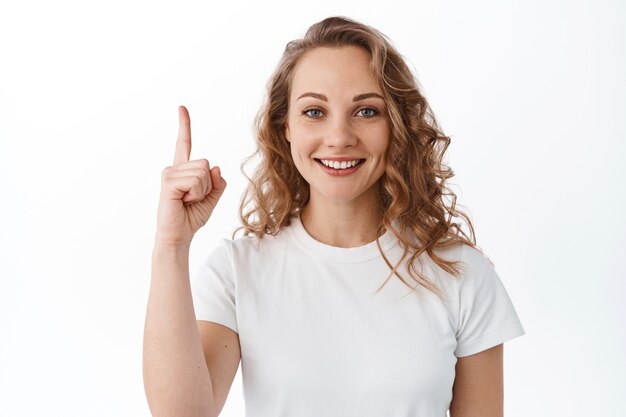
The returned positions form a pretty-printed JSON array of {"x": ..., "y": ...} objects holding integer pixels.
[
  {"x": 487, "y": 316},
  {"x": 213, "y": 289}
]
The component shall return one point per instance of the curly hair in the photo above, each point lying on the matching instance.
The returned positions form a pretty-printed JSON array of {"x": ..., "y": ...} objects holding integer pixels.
[{"x": 417, "y": 206}]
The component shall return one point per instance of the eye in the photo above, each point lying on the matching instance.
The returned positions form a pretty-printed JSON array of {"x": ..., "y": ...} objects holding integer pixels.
[
  {"x": 313, "y": 113},
  {"x": 367, "y": 112}
]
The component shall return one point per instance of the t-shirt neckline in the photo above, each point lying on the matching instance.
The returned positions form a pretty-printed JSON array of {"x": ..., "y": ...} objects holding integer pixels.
[{"x": 356, "y": 254}]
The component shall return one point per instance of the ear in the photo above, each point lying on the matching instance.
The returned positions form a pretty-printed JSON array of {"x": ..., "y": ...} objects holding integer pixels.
[{"x": 287, "y": 133}]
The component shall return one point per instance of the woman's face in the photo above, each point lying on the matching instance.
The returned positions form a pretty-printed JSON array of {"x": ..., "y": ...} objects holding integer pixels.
[{"x": 337, "y": 125}]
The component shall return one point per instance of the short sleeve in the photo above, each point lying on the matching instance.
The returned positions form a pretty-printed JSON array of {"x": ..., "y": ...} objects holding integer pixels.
[
  {"x": 486, "y": 316},
  {"x": 213, "y": 289}
]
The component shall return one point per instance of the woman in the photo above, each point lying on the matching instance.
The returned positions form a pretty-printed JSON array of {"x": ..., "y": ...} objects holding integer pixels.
[{"x": 350, "y": 193}]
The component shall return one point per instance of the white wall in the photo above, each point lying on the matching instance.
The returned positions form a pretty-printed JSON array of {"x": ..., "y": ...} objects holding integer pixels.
[{"x": 532, "y": 93}]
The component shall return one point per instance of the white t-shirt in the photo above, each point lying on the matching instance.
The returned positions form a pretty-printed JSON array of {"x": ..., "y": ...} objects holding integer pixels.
[{"x": 317, "y": 341}]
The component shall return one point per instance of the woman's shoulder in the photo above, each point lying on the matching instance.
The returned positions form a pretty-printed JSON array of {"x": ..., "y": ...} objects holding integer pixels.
[
  {"x": 469, "y": 257},
  {"x": 251, "y": 244},
  {"x": 473, "y": 267}
]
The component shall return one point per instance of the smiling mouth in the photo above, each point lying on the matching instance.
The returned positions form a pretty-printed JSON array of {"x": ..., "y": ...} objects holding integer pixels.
[{"x": 339, "y": 165}]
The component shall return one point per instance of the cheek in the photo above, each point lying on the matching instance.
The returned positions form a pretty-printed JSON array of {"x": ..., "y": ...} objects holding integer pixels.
[
  {"x": 298, "y": 124},
  {"x": 298, "y": 146},
  {"x": 378, "y": 139},
  {"x": 304, "y": 137}
]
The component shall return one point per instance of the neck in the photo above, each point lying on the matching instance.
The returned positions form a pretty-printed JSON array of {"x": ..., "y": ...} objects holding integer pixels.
[{"x": 344, "y": 225}]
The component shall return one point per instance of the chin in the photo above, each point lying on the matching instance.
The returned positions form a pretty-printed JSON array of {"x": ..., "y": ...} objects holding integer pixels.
[
  {"x": 340, "y": 196},
  {"x": 344, "y": 194}
]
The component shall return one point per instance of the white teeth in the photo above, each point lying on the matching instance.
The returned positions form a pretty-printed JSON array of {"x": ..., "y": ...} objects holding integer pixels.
[{"x": 339, "y": 165}]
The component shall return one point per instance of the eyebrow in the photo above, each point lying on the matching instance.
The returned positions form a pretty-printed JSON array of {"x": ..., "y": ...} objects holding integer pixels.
[{"x": 355, "y": 98}]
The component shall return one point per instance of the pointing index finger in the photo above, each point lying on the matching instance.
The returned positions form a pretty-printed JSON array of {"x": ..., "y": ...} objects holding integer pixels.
[{"x": 183, "y": 143}]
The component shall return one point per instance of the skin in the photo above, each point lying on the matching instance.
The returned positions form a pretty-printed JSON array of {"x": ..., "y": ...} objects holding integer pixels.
[
  {"x": 181, "y": 374},
  {"x": 478, "y": 386},
  {"x": 325, "y": 121}
]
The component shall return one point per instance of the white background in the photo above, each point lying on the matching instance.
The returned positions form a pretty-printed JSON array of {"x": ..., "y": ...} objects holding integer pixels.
[{"x": 531, "y": 92}]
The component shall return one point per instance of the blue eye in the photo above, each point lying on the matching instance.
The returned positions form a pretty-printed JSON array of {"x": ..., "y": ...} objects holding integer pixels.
[
  {"x": 367, "y": 112},
  {"x": 314, "y": 113}
]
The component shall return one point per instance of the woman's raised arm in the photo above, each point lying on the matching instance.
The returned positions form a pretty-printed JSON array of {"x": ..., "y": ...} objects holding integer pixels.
[{"x": 176, "y": 377}]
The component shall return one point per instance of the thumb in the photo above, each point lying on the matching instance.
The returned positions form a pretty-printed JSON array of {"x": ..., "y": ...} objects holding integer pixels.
[{"x": 219, "y": 184}]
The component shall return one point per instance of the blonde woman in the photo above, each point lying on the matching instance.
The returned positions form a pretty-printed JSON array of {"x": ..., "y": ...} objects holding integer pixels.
[{"x": 354, "y": 290}]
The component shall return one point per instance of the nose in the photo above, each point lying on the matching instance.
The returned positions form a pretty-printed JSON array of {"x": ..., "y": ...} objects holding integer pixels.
[{"x": 341, "y": 134}]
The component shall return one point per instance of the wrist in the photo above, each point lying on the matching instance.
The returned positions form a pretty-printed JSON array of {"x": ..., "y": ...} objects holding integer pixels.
[{"x": 172, "y": 247}]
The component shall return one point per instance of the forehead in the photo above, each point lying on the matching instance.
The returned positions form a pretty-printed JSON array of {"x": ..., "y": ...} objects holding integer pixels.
[{"x": 329, "y": 70}]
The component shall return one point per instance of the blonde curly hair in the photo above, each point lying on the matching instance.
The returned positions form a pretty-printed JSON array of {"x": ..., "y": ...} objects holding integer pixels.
[{"x": 417, "y": 206}]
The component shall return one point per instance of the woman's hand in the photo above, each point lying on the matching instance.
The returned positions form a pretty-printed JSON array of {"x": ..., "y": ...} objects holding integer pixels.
[{"x": 190, "y": 191}]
